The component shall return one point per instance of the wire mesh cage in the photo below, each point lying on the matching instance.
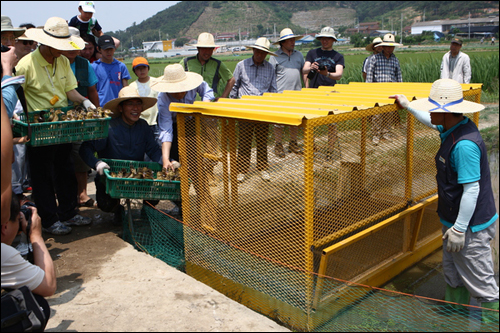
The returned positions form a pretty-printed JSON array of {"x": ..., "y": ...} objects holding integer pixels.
[{"x": 268, "y": 228}]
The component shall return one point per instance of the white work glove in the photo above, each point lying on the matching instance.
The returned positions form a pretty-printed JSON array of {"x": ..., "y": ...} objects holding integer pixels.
[
  {"x": 88, "y": 104},
  {"x": 456, "y": 240},
  {"x": 402, "y": 100},
  {"x": 100, "y": 166}
]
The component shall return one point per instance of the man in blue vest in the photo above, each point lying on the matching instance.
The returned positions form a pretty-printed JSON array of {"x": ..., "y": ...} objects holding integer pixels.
[
  {"x": 218, "y": 77},
  {"x": 466, "y": 206}
]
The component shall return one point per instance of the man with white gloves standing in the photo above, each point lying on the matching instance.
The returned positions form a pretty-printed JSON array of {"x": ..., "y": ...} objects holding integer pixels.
[{"x": 466, "y": 205}]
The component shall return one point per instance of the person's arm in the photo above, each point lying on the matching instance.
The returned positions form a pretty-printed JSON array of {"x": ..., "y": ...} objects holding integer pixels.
[
  {"x": 6, "y": 160},
  {"x": 165, "y": 124},
  {"x": 206, "y": 93},
  {"x": 124, "y": 83},
  {"x": 9, "y": 61},
  {"x": 41, "y": 256},
  {"x": 305, "y": 71},
  {"x": 422, "y": 116},
  {"x": 339, "y": 70},
  {"x": 75, "y": 97},
  {"x": 228, "y": 88}
]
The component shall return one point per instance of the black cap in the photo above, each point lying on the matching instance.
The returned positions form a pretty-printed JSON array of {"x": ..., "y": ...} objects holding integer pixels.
[{"x": 106, "y": 42}]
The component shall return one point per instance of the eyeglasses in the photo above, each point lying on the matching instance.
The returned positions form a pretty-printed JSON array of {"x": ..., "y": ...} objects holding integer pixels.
[
  {"x": 132, "y": 103},
  {"x": 26, "y": 42}
]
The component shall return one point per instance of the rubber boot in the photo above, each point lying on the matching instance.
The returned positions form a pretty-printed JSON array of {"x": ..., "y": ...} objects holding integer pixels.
[
  {"x": 489, "y": 318},
  {"x": 458, "y": 295}
]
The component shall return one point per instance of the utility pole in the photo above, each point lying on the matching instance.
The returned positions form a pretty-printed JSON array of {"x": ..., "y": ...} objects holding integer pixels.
[
  {"x": 159, "y": 34},
  {"x": 401, "y": 39}
]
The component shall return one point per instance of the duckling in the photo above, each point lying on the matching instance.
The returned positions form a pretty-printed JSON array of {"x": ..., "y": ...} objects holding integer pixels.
[
  {"x": 82, "y": 115},
  {"x": 51, "y": 115},
  {"x": 56, "y": 115},
  {"x": 161, "y": 175},
  {"x": 107, "y": 113},
  {"x": 79, "y": 108},
  {"x": 113, "y": 174},
  {"x": 147, "y": 173},
  {"x": 40, "y": 118},
  {"x": 123, "y": 173},
  {"x": 89, "y": 115}
]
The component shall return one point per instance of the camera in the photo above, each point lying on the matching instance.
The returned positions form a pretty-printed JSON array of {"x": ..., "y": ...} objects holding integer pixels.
[
  {"x": 5, "y": 48},
  {"x": 321, "y": 66},
  {"x": 27, "y": 214}
]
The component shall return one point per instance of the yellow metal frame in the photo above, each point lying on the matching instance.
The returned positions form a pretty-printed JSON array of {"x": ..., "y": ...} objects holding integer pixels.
[{"x": 309, "y": 109}]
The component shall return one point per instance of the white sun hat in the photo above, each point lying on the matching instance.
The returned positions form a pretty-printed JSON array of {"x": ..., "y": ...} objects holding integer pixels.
[
  {"x": 327, "y": 32},
  {"x": 205, "y": 39},
  {"x": 446, "y": 96},
  {"x": 285, "y": 34},
  {"x": 175, "y": 79},
  {"x": 389, "y": 40},
  {"x": 373, "y": 44},
  {"x": 55, "y": 33},
  {"x": 127, "y": 93},
  {"x": 262, "y": 44}
]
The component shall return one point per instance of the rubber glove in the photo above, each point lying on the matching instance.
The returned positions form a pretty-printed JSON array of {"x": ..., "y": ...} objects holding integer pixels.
[
  {"x": 456, "y": 240},
  {"x": 100, "y": 166},
  {"x": 88, "y": 104},
  {"x": 402, "y": 100}
]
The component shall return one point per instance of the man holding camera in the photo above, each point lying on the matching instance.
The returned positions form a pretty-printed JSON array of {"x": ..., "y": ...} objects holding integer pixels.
[{"x": 324, "y": 67}]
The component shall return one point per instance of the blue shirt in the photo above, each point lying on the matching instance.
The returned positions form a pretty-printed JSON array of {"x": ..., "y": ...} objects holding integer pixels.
[
  {"x": 9, "y": 87},
  {"x": 124, "y": 142},
  {"x": 110, "y": 78},
  {"x": 166, "y": 118}
]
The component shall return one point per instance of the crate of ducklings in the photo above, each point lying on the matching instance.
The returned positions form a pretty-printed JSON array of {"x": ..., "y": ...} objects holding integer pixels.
[
  {"x": 62, "y": 125},
  {"x": 141, "y": 180}
]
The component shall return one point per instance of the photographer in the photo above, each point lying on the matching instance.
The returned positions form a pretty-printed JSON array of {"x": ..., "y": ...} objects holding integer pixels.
[
  {"x": 324, "y": 66},
  {"x": 39, "y": 277}
]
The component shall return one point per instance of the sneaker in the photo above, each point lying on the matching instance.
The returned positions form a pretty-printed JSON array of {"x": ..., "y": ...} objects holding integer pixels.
[
  {"x": 278, "y": 150},
  {"x": 375, "y": 140},
  {"x": 58, "y": 228},
  {"x": 265, "y": 175},
  {"x": 241, "y": 177},
  {"x": 78, "y": 220},
  {"x": 294, "y": 148}
]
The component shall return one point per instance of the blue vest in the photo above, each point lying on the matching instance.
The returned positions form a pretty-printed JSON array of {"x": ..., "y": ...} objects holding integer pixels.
[{"x": 450, "y": 192}]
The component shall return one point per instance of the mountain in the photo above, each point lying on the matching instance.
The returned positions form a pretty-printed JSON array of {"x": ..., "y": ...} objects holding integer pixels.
[{"x": 187, "y": 19}]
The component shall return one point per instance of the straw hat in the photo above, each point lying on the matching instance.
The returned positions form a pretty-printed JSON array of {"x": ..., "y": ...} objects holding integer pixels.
[
  {"x": 176, "y": 80},
  {"x": 127, "y": 93},
  {"x": 262, "y": 44},
  {"x": 375, "y": 43},
  {"x": 446, "y": 96},
  {"x": 389, "y": 40},
  {"x": 285, "y": 34},
  {"x": 327, "y": 32},
  {"x": 7, "y": 26},
  {"x": 55, "y": 33},
  {"x": 205, "y": 39}
]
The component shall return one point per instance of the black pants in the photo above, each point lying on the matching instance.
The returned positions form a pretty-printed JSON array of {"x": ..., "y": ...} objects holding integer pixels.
[{"x": 52, "y": 174}]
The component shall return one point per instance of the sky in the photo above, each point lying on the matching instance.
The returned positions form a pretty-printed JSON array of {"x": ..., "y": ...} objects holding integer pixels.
[{"x": 111, "y": 15}]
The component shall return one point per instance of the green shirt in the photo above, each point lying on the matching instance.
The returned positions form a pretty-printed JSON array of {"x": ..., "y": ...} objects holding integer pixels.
[{"x": 208, "y": 72}]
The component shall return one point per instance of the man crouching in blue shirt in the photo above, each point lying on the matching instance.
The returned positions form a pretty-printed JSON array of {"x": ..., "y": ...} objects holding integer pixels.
[{"x": 129, "y": 138}]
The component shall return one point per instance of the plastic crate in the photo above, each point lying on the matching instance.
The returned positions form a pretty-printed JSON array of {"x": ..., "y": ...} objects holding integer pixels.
[
  {"x": 148, "y": 189},
  {"x": 58, "y": 132}
]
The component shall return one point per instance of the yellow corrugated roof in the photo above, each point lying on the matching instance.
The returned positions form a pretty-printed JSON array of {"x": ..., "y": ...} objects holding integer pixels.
[{"x": 291, "y": 107}]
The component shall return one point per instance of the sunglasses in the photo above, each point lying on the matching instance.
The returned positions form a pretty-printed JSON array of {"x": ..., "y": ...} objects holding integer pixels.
[{"x": 27, "y": 42}]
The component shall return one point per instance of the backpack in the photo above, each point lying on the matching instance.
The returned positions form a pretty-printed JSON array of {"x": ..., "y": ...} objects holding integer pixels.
[{"x": 21, "y": 312}]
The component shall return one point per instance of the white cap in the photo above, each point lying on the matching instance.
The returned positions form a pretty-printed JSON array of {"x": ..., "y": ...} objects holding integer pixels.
[{"x": 87, "y": 6}]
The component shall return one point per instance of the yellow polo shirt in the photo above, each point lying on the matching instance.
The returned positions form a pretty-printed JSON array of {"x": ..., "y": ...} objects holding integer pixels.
[{"x": 39, "y": 89}]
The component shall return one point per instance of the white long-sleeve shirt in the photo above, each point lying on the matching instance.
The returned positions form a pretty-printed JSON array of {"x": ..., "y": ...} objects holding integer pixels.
[{"x": 461, "y": 72}]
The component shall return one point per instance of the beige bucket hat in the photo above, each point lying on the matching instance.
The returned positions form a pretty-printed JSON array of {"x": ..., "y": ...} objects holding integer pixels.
[
  {"x": 262, "y": 44},
  {"x": 375, "y": 43},
  {"x": 446, "y": 96},
  {"x": 205, "y": 39},
  {"x": 389, "y": 40},
  {"x": 176, "y": 80},
  {"x": 127, "y": 93},
  {"x": 327, "y": 32},
  {"x": 7, "y": 26},
  {"x": 285, "y": 34},
  {"x": 55, "y": 33}
]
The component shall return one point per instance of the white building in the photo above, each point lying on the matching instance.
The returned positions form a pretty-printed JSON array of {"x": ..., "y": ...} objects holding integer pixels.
[{"x": 446, "y": 25}]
